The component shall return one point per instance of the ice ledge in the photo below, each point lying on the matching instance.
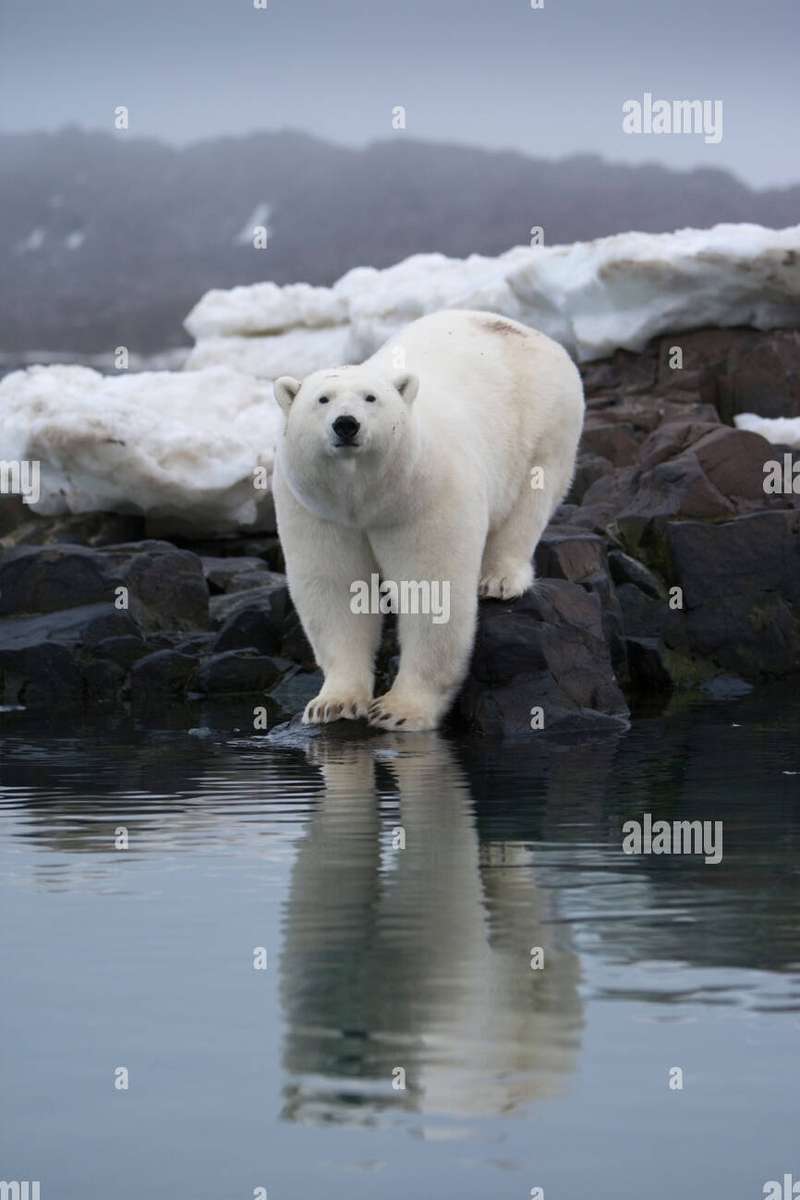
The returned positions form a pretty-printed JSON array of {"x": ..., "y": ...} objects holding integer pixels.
[{"x": 593, "y": 297}]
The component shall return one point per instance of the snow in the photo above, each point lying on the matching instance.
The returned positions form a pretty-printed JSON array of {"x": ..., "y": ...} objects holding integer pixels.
[
  {"x": 296, "y": 352},
  {"x": 781, "y": 431},
  {"x": 183, "y": 446},
  {"x": 186, "y": 448},
  {"x": 74, "y": 240},
  {"x": 593, "y": 297}
]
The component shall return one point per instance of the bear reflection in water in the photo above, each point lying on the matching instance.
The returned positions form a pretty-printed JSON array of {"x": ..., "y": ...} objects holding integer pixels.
[{"x": 413, "y": 964}]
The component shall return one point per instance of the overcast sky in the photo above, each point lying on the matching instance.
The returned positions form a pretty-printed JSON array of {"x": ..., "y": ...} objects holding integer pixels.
[{"x": 497, "y": 73}]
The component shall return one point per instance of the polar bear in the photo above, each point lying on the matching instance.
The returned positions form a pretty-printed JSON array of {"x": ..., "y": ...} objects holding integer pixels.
[{"x": 438, "y": 461}]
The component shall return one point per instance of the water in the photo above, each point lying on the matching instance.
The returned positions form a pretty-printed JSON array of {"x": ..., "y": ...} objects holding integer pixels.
[{"x": 381, "y": 958}]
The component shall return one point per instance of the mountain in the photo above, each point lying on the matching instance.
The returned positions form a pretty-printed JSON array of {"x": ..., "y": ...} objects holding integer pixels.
[{"x": 109, "y": 240}]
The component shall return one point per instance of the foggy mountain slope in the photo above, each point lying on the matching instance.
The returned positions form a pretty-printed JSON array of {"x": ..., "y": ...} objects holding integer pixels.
[{"x": 110, "y": 239}]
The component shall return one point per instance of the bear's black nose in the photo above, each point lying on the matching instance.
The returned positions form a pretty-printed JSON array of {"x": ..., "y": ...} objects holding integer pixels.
[{"x": 346, "y": 428}]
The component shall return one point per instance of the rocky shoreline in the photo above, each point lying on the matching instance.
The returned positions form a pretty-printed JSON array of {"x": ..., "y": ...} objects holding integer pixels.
[{"x": 670, "y": 570}]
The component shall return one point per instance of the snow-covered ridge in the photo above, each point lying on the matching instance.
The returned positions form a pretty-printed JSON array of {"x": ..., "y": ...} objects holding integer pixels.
[
  {"x": 593, "y": 297},
  {"x": 192, "y": 449},
  {"x": 186, "y": 446}
]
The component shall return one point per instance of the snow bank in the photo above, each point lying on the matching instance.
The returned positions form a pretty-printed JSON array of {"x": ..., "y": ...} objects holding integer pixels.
[
  {"x": 593, "y": 297},
  {"x": 781, "y": 431},
  {"x": 186, "y": 448}
]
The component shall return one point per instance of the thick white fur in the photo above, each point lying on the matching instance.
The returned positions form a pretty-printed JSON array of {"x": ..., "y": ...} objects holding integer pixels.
[{"x": 467, "y": 405}]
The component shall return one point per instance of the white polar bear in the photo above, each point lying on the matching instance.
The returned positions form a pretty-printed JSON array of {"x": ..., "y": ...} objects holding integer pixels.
[{"x": 439, "y": 459}]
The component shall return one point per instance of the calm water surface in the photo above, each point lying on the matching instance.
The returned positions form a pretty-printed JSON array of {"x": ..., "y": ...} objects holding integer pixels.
[{"x": 381, "y": 958}]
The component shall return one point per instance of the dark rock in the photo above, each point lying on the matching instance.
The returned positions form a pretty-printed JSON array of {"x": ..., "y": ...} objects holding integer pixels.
[
  {"x": 44, "y": 675},
  {"x": 123, "y": 650},
  {"x": 624, "y": 370},
  {"x": 35, "y": 580},
  {"x": 600, "y": 585},
  {"x": 271, "y": 596},
  {"x": 671, "y": 440},
  {"x": 762, "y": 376},
  {"x": 727, "y": 687},
  {"x": 238, "y": 671},
  {"x": 72, "y": 627},
  {"x": 167, "y": 672},
  {"x": 295, "y": 690},
  {"x": 613, "y": 441},
  {"x": 267, "y": 549},
  {"x": 52, "y": 658},
  {"x": 233, "y": 574},
  {"x": 741, "y": 591},
  {"x": 167, "y": 588},
  {"x": 589, "y": 468},
  {"x": 546, "y": 650},
  {"x": 643, "y": 616},
  {"x": 21, "y": 527},
  {"x": 625, "y": 569},
  {"x": 260, "y": 628},
  {"x": 565, "y": 553},
  {"x": 733, "y": 460},
  {"x": 648, "y": 665}
]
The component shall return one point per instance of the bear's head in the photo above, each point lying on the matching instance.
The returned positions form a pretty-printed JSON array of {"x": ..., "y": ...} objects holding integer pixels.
[{"x": 351, "y": 412}]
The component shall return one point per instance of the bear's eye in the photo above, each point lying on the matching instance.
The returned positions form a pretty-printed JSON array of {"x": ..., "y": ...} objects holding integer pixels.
[
  {"x": 370, "y": 399},
  {"x": 323, "y": 399}
]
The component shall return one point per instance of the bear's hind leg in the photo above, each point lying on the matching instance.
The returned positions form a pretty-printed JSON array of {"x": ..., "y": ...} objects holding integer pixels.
[
  {"x": 507, "y": 566},
  {"x": 435, "y": 645}
]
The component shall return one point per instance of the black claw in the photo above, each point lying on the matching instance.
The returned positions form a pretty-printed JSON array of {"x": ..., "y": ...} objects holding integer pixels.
[{"x": 402, "y": 721}]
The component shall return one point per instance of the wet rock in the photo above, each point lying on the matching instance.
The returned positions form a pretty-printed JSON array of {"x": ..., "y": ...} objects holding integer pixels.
[
  {"x": 47, "y": 659},
  {"x": 44, "y": 675},
  {"x": 260, "y": 628},
  {"x": 239, "y": 671},
  {"x": 546, "y": 650},
  {"x": 233, "y": 574},
  {"x": 84, "y": 625},
  {"x": 295, "y": 644},
  {"x": 165, "y": 672},
  {"x": 295, "y": 689},
  {"x": 167, "y": 588},
  {"x": 123, "y": 650},
  {"x": 34, "y": 580},
  {"x": 741, "y": 591},
  {"x": 272, "y": 595},
  {"x": 648, "y": 663}
]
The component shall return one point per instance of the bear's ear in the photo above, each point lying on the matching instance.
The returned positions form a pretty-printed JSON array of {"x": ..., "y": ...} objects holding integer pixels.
[
  {"x": 286, "y": 388},
  {"x": 407, "y": 385}
]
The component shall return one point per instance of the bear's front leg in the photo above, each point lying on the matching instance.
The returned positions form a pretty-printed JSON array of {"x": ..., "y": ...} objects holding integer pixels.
[
  {"x": 323, "y": 561},
  {"x": 435, "y": 567}
]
